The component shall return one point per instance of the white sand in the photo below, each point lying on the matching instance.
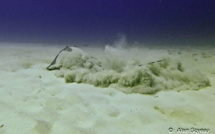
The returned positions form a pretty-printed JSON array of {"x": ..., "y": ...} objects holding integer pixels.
[{"x": 34, "y": 101}]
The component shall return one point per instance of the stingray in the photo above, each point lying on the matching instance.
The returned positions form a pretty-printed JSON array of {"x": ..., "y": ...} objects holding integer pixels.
[
  {"x": 68, "y": 49},
  {"x": 54, "y": 65}
]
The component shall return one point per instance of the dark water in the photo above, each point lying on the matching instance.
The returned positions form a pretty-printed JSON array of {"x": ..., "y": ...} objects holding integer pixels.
[{"x": 179, "y": 22}]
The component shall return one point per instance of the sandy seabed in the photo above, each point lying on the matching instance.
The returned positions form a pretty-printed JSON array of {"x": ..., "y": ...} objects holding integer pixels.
[{"x": 34, "y": 101}]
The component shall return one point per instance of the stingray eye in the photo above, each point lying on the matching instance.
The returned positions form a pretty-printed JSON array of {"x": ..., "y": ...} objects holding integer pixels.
[{"x": 69, "y": 49}]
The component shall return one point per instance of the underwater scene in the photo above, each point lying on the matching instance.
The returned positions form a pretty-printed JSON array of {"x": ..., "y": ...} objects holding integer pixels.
[{"x": 107, "y": 67}]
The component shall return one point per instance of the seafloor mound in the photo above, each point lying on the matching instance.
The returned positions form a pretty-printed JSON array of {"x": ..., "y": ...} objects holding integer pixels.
[{"x": 128, "y": 76}]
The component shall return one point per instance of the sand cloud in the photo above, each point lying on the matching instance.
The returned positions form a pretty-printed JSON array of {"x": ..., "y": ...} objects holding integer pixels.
[{"x": 118, "y": 69}]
